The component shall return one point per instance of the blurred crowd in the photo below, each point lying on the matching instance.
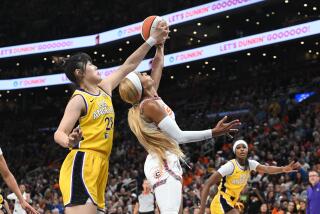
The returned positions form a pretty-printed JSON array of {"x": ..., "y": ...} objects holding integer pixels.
[{"x": 277, "y": 127}]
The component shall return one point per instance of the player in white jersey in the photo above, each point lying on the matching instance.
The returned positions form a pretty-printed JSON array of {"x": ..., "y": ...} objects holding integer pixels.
[
  {"x": 17, "y": 205},
  {"x": 12, "y": 184},
  {"x": 153, "y": 123}
]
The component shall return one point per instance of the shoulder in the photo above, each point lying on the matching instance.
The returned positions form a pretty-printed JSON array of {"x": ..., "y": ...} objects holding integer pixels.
[
  {"x": 253, "y": 164},
  {"x": 77, "y": 99},
  {"x": 253, "y": 161},
  {"x": 150, "y": 107},
  {"x": 77, "y": 103},
  {"x": 226, "y": 169}
]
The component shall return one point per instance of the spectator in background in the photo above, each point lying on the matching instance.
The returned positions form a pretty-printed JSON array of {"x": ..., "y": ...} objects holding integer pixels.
[
  {"x": 12, "y": 184},
  {"x": 17, "y": 206},
  {"x": 4, "y": 206},
  {"x": 313, "y": 202},
  {"x": 146, "y": 200}
]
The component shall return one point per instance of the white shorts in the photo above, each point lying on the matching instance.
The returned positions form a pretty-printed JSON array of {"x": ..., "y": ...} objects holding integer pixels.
[{"x": 169, "y": 192}]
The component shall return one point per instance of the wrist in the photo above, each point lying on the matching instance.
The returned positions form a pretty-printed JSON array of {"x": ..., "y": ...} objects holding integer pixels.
[
  {"x": 151, "y": 41},
  {"x": 282, "y": 169},
  {"x": 213, "y": 132},
  {"x": 21, "y": 199},
  {"x": 66, "y": 144}
]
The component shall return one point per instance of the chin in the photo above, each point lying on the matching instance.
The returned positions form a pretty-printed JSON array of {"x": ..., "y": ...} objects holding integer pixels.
[{"x": 99, "y": 80}]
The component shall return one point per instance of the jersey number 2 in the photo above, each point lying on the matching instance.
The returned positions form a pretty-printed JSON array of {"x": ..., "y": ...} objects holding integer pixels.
[{"x": 109, "y": 122}]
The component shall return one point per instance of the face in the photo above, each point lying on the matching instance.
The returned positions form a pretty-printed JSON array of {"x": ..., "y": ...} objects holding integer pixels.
[
  {"x": 263, "y": 208},
  {"x": 241, "y": 151},
  {"x": 22, "y": 188},
  {"x": 145, "y": 185},
  {"x": 291, "y": 206},
  {"x": 186, "y": 210},
  {"x": 302, "y": 205},
  {"x": 91, "y": 74},
  {"x": 146, "y": 80},
  {"x": 196, "y": 211},
  {"x": 313, "y": 178}
]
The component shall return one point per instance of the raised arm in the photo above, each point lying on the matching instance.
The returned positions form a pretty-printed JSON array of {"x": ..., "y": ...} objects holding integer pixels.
[
  {"x": 153, "y": 111},
  {"x": 292, "y": 167},
  {"x": 214, "y": 179},
  {"x": 113, "y": 80},
  {"x": 157, "y": 66}
]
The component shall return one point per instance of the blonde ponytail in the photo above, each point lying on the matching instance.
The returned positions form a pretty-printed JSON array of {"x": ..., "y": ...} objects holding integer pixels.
[{"x": 153, "y": 140}]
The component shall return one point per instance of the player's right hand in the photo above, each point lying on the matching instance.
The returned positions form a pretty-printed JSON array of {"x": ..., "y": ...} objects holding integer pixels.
[
  {"x": 74, "y": 137},
  {"x": 161, "y": 32}
]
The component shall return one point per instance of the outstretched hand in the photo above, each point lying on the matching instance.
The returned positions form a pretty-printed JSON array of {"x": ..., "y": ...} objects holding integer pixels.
[
  {"x": 292, "y": 167},
  {"x": 223, "y": 128}
]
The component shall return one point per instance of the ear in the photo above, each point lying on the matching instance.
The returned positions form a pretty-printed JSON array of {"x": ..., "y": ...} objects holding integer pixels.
[{"x": 78, "y": 73}]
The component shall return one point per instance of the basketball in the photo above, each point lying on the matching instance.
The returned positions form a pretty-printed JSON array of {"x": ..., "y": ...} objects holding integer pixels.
[{"x": 149, "y": 25}]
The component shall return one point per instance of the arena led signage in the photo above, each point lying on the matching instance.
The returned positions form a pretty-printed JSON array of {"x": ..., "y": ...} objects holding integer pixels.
[
  {"x": 123, "y": 32},
  {"x": 245, "y": 43}
]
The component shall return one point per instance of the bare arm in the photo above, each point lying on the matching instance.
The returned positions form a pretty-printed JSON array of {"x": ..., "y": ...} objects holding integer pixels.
[
  {"x": 6, "y": 206},
  {"x": 9, "y": 178},
  {"x": 276, "y": 170},
  {"x": 12, "y": 184},
  {"x": 214, "y": 179},
  {"x": 259, "y": 195},
  {"x": 72, "y": 113},
  {"x": 113, "y": 80},
  {"x": 157, "y": 66},
  {"x": 136, "y": 208}
]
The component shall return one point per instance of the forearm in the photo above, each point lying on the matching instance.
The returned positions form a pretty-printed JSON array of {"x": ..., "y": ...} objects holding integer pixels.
[
  {"x": 12, "y": 184},
  {"x": 135, "y": 58},
  {"x": 204, "y": 196},
  {"x": 170, "y": 127},
  {"x": 158, "y": 60},
  {"x": 157, "y": 67},
  {"x": 61, "y": 138},
  {"x": 136, "y": 209},
  {"x": 274, "y": 169}
]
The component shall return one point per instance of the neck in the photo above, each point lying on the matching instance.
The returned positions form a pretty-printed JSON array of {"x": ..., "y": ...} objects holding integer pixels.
[
  {"x": 89, "y": 88},
  {"x": 242, "y": 162},
  {"x": 145, "y": 191},
  {"x": 149, "y": 93}
]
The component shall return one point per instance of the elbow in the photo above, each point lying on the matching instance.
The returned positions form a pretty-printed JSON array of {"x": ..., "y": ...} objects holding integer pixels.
[{"x": 55, "y": 136}]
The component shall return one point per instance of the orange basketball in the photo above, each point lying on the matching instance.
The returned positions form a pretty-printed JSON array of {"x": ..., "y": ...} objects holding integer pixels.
[{"x": 149, "y": 25}]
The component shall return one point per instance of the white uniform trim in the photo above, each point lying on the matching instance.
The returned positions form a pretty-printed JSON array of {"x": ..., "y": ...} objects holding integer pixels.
[{"x": 227, "y": 169}]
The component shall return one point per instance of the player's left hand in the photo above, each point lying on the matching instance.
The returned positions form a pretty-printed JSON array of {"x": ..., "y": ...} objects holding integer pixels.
[
  {"x": 292, "y": 167},
  {"x": 225, "y": 128},
  {"x": 28, "y": 207}
]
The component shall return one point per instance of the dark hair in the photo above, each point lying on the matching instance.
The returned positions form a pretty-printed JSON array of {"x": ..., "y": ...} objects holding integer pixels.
[{"x": 69, "y": 65}]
